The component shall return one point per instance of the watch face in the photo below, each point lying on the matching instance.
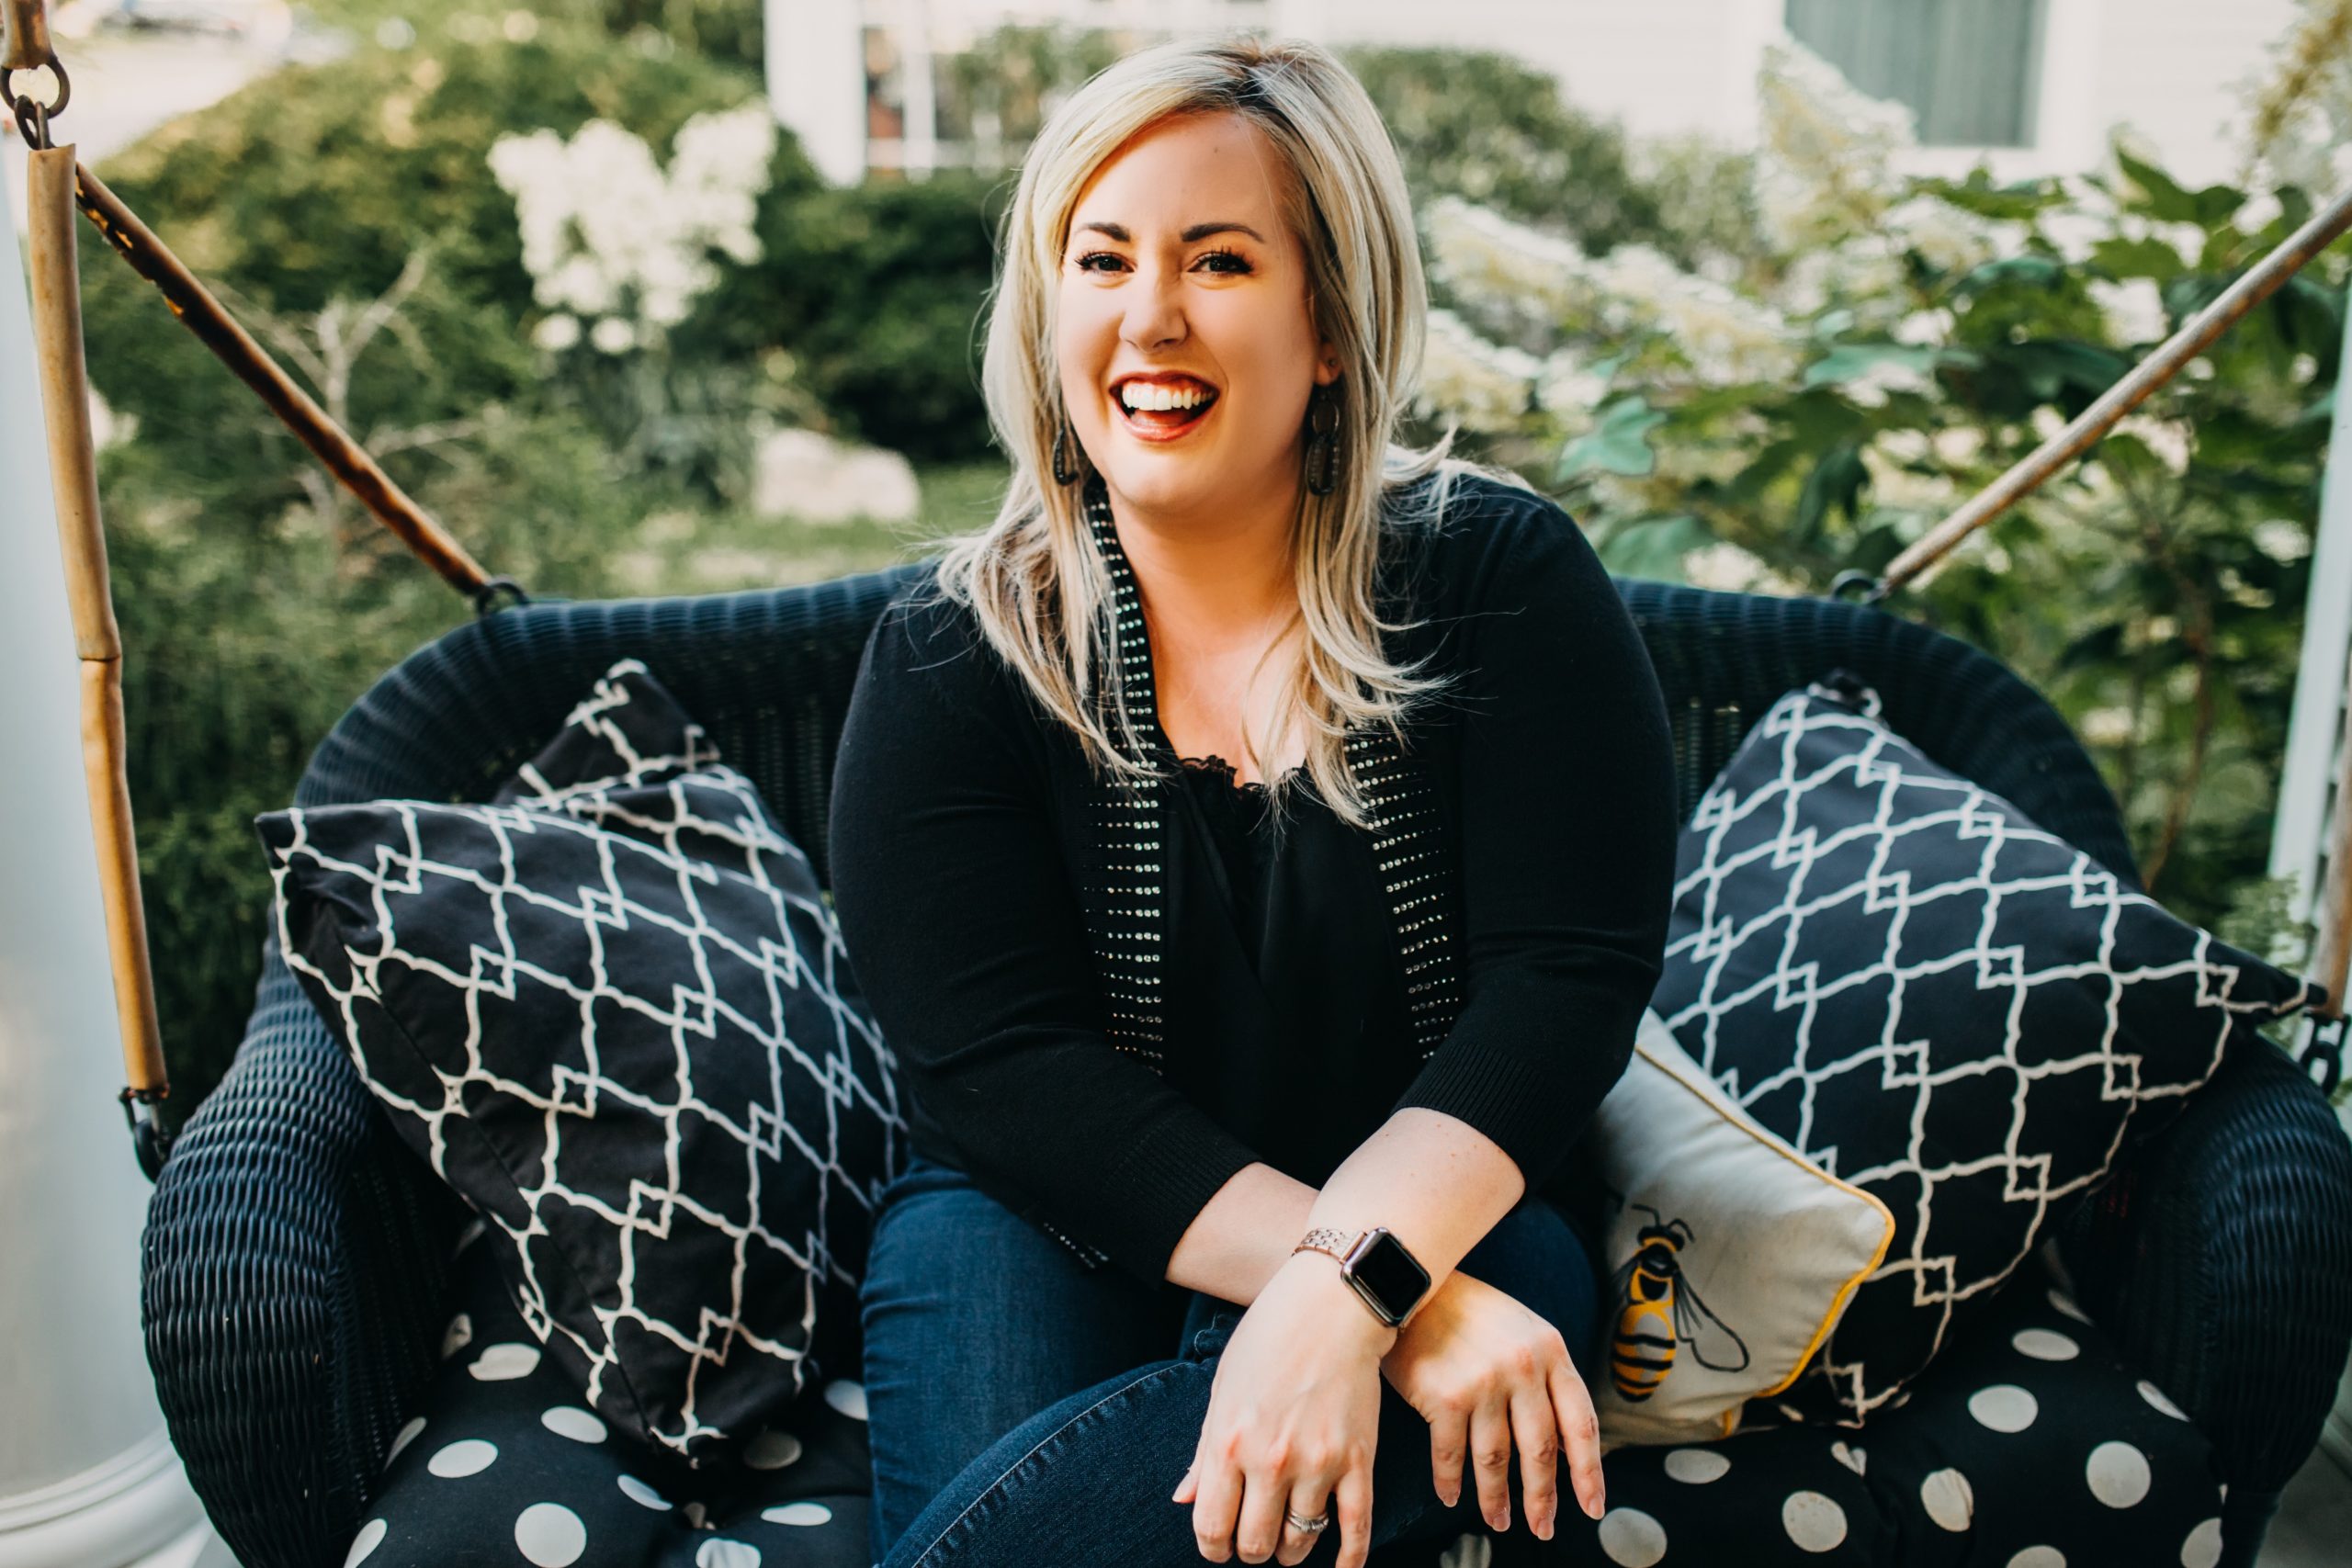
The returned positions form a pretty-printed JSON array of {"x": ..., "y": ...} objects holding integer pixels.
[{"x": 1384, "y": 1266}]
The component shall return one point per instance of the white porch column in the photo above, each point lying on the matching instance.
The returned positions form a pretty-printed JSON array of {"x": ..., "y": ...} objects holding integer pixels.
[
  {"x": 87, "y": 1479},
  {"x": 2299, "y": 834},
  {"x": 816, "y": 70}
]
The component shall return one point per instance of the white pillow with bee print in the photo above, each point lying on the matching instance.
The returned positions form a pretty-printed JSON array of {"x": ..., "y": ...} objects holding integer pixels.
[{"x": 1730, "y": 1254}]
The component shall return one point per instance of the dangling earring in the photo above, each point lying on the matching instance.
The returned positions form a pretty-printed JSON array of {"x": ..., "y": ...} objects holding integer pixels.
[
  {"x": 1065, "y": 472},
  {"x": 1323, "y": 451}
]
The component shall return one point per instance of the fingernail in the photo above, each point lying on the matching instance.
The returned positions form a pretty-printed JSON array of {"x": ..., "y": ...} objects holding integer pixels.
[
  {"x": 1595, "y": 1507},
  {"x": 1544, "y": 1528}
]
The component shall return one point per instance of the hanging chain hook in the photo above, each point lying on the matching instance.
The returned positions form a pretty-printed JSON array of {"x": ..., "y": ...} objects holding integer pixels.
[
  {"x": 1860, "y": 587},
  {"x": 24, "y": 46},
  {"x": 32, "y": 123},
  {"x": 32, "y": 116}
]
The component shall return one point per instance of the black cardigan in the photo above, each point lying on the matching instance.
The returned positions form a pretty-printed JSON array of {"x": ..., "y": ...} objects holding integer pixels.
[{"x": 969, "y": 874}]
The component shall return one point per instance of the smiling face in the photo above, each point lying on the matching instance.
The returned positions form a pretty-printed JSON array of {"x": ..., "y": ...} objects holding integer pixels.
[{"x": 1181, "y": 277}]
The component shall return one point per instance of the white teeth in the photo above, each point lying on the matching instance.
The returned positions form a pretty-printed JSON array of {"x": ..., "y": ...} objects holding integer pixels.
[{"x": 1144, "y": 395}]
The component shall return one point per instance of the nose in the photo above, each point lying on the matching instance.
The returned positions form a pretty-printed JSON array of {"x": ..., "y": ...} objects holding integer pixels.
[{"x": 1154, "y": 315}]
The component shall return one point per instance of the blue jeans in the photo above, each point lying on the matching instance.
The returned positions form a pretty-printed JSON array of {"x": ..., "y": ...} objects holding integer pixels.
[{"x": 1022, "y": 1410}]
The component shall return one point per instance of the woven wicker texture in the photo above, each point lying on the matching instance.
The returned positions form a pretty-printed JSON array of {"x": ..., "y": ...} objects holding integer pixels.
[{"x": 295, "y": 1257}]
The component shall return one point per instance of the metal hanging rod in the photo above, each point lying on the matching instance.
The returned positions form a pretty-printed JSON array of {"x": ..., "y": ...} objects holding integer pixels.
[{"x": 2258, "y": 284}]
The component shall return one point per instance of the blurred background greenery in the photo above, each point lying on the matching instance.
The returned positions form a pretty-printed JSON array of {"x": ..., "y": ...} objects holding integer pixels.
[{"x": 1748, "y": 370}]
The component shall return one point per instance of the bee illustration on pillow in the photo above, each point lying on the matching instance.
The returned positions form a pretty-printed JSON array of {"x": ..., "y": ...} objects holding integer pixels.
[{"x": 1658, "y": 1312}]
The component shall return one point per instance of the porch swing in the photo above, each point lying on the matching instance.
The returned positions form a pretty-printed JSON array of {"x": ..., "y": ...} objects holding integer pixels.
[{"x": 297, "y": 1259}]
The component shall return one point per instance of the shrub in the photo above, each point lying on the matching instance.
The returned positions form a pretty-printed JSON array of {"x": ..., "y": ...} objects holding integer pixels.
[{"x": 1894, "y": 346}]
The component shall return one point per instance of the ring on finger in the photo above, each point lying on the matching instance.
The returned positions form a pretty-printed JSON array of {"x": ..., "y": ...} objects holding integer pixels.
[{"x": 1315, "y": 1526}]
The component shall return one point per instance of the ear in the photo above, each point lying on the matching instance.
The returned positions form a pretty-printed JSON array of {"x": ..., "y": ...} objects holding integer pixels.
[{"x": 1327, "y": 364}]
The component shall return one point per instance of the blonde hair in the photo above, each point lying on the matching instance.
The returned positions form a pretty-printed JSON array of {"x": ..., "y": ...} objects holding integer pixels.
[{"x": 1033, "y": 577}]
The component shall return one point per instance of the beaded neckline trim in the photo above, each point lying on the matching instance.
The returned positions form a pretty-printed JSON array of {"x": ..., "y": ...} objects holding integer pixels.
[{"x": 1127, "y": 916}]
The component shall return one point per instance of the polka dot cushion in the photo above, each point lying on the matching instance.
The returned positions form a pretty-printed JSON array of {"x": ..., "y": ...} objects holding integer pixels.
[
  {"x": 506, "y": 1465},
  {"x": 2029, "y": 1444}
]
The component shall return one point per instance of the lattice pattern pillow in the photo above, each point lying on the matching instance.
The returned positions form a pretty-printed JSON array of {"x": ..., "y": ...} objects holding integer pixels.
[
  {"x": 612, "y": 1010},
  {"x": 1962, "y": 1014}
]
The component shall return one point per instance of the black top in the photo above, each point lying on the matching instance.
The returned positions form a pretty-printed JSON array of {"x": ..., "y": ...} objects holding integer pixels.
[
  {"x": 1302, "y": 983},
  {"x": 963, "y": 839}
]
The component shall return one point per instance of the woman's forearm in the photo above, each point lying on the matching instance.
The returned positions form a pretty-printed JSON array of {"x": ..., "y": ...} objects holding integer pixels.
[
  {"x": 1433, "y": 1179},
  {"x": 1246, "y": 1232}
]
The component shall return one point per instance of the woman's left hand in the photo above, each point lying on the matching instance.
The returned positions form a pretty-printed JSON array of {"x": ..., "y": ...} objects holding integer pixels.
[{"x": 1293, "y": 1421}]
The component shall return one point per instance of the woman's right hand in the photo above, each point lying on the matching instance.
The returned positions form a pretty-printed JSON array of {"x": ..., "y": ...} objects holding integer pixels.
[{"x": 1483, "y": 1369}]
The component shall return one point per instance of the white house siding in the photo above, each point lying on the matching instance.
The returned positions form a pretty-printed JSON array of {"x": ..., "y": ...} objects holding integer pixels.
[
  {"x": 1660, "y": 67},
  {"x": 2169, "y": 67}
]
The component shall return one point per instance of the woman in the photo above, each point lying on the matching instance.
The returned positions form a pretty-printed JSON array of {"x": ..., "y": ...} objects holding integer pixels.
[{"x": 1291, "y": 1034}]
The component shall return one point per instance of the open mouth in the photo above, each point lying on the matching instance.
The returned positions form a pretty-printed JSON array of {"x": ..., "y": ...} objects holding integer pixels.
[{"x": 1161, "y": 412}]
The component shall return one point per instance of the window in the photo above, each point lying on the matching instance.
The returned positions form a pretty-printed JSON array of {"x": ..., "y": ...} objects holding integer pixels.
[{"x": 1971, "y": 69}]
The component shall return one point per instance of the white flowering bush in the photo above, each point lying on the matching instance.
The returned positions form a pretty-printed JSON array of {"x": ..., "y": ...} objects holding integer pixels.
[
  {"x": 1887, "y": 347},
  {"x": 613, "y": 239},
  {"x": 621, "y": 251}
]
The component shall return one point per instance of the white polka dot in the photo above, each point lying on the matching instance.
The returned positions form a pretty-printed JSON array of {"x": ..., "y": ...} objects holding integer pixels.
[
  {"x": 727, "y": 1554},
  {"x": 771, "y": 1449},
  {"x": 1949, "y": 1499},
  {"x": 1696, "y": 1466},
  {"x": 570, "y": 1421},
  {"x": 1815, "y": 1522},
  {"x": 470, "y": 1457},
  {"x": 2203, "y": 1547},
  {"x": 1852, "y": 1458},
  {"x": 1469, "y": 1551},
  {"x": 2118, "y": 1473},
  {"x": 2060, "y": 1301},
  {"x": 504, "y": 1363},
  {"x": 1631, "y": 1538},
  {"x": 2039, "y": 1557},
  {"x": 371, "y": 1535},
  {"x": 798, "y": 1514},
  {"x": 402, "y": 1438},
  {"x": 2155, "y": 1396},
  {"x": 847, "y": 1397},
  {"x": 457, "y": 1335},
  {"x": 695, "y": 1514},
  {"x": 2045, "y": 1345},
  {"x": 550, "y": 1534},
  {"x": 2004, "y": 1407},
  {"x": 638, "y": 1492}
]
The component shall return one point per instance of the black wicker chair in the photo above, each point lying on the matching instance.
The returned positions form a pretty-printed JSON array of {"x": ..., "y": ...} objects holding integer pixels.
[{"x": 297, "y": 1254}]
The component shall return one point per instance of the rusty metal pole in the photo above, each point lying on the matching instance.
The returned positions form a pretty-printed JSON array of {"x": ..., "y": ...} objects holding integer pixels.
[
  {"x": 74, "y": 479},
  {"x": 2085, "y": 429}
]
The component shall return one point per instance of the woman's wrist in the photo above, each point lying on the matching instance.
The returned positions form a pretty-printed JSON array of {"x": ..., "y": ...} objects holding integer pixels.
[{"x": 1351, "y": 1313}]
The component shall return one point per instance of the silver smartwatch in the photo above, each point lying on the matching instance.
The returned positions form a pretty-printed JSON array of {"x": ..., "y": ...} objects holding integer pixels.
[{"x": 1389, "y": 1279}]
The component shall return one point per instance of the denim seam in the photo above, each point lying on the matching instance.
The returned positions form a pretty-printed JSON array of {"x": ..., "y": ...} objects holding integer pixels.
[{"x": 994, "y": 1486}]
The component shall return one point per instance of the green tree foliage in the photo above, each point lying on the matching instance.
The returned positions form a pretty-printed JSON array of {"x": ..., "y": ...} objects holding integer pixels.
[
  {"x": 1893, "y": 346},
  {"x": 1494, "y": 130},
  {"x": 1742, "y": 371}
]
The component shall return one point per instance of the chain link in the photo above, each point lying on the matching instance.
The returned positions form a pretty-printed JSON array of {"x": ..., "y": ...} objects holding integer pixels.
[{"x": 31, "y": 116}]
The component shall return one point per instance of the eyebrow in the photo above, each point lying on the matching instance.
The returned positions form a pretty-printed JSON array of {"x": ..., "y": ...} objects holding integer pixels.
[{"x": 1197, "y": 231}]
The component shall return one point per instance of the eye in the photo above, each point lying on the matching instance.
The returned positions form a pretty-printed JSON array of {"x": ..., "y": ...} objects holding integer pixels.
[{"x": 1239, "y": 267}]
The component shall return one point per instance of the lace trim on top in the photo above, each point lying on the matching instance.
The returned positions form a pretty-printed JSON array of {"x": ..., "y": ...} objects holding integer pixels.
[{"x": 1223, "y": 770}]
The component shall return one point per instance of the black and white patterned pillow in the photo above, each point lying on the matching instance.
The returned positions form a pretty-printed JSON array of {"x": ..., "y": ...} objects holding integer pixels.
[
  {"x": 1963, "y": 1015},
  {"x": 612, "y": 1010}
]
